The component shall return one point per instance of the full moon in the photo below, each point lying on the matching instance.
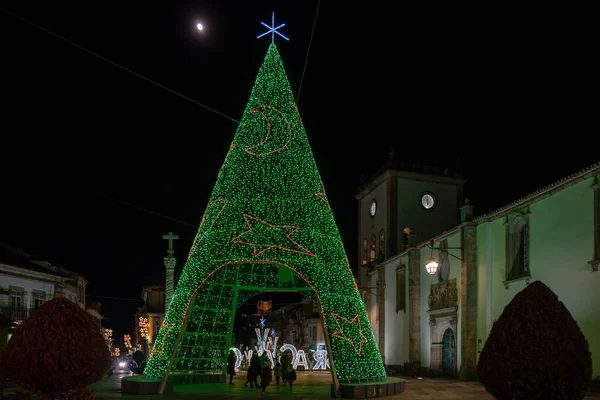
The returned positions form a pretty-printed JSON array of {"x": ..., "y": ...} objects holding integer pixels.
[{"x": 199, "y": 26}]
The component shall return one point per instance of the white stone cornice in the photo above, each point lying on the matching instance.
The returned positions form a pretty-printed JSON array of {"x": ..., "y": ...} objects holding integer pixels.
[{"x": 29, "y": 274}]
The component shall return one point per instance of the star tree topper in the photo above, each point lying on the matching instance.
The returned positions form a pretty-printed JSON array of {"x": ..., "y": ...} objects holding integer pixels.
[{"x": 272, "y": 29}]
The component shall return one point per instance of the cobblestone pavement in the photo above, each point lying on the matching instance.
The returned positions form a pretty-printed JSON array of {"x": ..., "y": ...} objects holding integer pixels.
[{"x": 313, "y": 386}]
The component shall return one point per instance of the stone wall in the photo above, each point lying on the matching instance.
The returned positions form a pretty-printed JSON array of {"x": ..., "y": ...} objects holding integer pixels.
[
  {"x": 414, "y": 305},
  {"x": 468, "y": 303}
]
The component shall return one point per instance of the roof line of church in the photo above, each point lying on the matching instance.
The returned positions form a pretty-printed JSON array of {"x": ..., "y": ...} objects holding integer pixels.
[{"x": 558, "y": 185}]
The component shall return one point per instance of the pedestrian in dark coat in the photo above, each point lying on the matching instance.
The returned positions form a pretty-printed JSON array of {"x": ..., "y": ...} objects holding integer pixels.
[
  {"x": 254, "y": 370},
  {"x": 290, "y": 375},
  {"x": 231, "y": 366},
  {"x": 266, "y": 376}
]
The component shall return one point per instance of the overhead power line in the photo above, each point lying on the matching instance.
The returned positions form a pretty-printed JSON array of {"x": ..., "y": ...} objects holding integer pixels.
[
  {"x": 118, "y": 65},
  {"x": 308, "y": 51},
  {"x": 146, "y": 210}
]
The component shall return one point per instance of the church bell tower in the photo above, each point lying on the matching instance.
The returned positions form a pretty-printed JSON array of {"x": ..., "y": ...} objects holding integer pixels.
[{"x": 403, "y": 205}]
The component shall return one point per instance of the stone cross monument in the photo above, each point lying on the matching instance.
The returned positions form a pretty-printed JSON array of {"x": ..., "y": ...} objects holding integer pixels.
[{"x": 170, "y": 263}]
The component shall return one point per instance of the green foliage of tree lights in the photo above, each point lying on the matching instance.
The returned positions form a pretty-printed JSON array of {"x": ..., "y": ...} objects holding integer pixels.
[{"x": 268, "y": 212}]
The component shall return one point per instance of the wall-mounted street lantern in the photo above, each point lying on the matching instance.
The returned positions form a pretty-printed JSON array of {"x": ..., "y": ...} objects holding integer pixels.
[{"x": 432, "y": 264}]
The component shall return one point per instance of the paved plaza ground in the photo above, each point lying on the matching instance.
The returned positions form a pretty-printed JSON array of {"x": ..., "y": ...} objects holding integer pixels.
[{"x": 309, "y": 386}]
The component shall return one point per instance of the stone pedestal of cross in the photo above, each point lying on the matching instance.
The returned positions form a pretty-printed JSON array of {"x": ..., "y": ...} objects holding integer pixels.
[{"x": 170, "y": 263}]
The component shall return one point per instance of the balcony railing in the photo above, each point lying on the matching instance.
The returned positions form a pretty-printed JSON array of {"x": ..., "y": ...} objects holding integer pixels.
[
  {"x": 19, "y": 306},
  {"x": 16, "y": 313}
]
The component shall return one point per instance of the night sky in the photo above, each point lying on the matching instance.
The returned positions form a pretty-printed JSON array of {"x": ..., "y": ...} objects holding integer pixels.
[{"x": 508, "y": 91}]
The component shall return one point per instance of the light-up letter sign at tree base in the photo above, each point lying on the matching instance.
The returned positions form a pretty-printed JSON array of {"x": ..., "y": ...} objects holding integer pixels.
[{"x": 268, "y": 227}]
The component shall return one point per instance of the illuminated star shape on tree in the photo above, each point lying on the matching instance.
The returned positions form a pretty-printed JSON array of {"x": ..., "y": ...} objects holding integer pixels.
[
  {"x": 323, "y": 195},
  {"x": 262, "y": 321},
  {"x": 263, "y": 236},
  {"x": 155, "y": 349},
  {"x": 351, "y": 331},
  {"x": 272, "y": 29}
]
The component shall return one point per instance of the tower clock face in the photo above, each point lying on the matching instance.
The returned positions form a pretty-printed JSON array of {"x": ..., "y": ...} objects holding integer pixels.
[
  {"x": 373, "y": 208},
  {"x": 428, "y": 201}
]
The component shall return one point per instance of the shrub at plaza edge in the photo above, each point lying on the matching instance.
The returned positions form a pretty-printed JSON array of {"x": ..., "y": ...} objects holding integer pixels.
[
  {"x": 57, "y": 351},
  {"x": 535, "y": 350}
]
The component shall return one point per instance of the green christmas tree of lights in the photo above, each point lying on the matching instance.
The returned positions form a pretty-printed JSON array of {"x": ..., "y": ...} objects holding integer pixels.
[{"x": 268, "y": 225}]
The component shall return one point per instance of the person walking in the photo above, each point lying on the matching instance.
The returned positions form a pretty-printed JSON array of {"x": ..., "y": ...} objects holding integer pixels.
[
  {"x": 254, "y": 370},
  {"x": 290, "y": 375},
  {"x": 278, "y": 372},
  {"x": 285, "y": 361},
  {"x": 266, "y": 376},
  {"x": 231, "y": 366}
]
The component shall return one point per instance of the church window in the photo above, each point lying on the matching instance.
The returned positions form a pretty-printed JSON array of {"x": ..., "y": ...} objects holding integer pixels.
[
  {"x": 444, "y": 270},
  {"x": 364, "y": 251},
  {"x": 517, "y": 247},
  {"x": 373, "y": 247},
  {"x": 382, "y": 242},
  {"x": 401, "y": 288},
  {"x": 444, "y": 266},
  {"x": 38, "y": 299},
  {"x": 16, "y": 301}
]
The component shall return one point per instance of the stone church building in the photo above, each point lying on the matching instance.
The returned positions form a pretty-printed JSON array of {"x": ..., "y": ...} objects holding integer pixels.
[{"x": 434, "y": 278}]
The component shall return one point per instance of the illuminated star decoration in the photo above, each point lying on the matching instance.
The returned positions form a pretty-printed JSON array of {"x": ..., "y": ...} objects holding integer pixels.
[
  {"x": 347, "y": 323},
  {"x": 262, "y": 321},
  {"x": 162, "y": 339},
  {"x": 322, "y": 195},
  {"x": 272, "y": 29},
  {"x": 261, "y": 231}
]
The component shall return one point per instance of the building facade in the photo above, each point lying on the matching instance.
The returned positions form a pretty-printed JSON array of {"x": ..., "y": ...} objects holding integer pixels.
[
  {"x": 439, "y": 322},
  {"x": 26, "y": 282},
  {"x": 149, "y": 318}
]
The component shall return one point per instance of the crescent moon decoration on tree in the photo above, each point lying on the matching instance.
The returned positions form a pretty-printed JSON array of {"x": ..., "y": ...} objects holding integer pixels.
[{"x": 263, "y": 144}]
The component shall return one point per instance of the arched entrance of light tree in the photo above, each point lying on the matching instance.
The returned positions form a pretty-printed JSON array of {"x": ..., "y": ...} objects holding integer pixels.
[
  {"x": 281, "y": 321},
  {"x": 208, "y": 327}
]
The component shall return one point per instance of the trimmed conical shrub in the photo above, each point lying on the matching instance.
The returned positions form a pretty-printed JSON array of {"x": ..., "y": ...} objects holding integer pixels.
[
  {"x": 535, "y": 350},
  {"x": 57, "y": 350}
]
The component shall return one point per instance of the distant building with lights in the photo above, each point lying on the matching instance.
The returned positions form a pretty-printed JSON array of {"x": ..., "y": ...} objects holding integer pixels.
[
  {"x": 264, "y": 307},
  {"x": 153, "y": 313},
  {"x": 434, "y": 277},
  {"x": 298, "y": 324}
]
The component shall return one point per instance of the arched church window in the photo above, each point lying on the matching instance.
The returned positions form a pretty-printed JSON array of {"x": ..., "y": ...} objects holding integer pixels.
[
  {"x": 444, "y": 270},
  {"x": 373, "y": 247},
  {"x": 517, "y": 247},
  {"x": 382, "y": 242},
  {"x": 524, "y": 254},
  {"x": 365, "y": 251}
]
